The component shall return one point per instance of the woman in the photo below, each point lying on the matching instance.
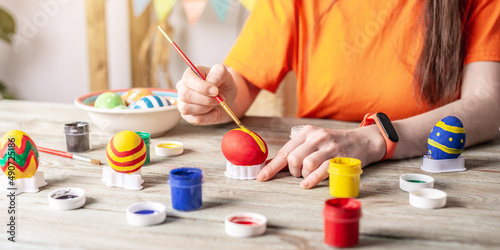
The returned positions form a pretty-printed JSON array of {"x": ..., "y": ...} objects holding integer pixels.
[{"x": 416, "y": 61}]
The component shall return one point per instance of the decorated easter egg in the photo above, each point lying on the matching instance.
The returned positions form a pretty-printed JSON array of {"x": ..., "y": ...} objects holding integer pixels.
[
  {"x": 151, "y": 101},
  {"x": 120, "y": 107},
  {"x": 135, "y": 94},
  {"x": 172, "y": 100},
  {"x": 126, "y": 152},
  {"x": 108, "y": 100},
  {"x": 244, "y": 147},
  {"x": 447, "y": 139},
  {"x": 18, "y": 155}
]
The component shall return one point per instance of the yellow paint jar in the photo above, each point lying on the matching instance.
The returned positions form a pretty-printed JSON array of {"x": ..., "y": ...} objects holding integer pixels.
[{"x": 344, "y": 177}]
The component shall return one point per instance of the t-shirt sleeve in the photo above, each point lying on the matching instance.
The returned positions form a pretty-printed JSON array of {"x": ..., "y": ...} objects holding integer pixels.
[
  {"x": 263, "y": 51},
  {"x": 482, "y": 31}
]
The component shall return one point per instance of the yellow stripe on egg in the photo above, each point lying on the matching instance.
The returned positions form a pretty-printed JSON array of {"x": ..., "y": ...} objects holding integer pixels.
[
  {"x": 452, "y": 129},
  {"x": 443, "y": 147}
]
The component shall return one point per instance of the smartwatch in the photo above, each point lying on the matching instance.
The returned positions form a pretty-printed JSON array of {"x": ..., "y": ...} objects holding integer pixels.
[{"x": 387, "y": 130}]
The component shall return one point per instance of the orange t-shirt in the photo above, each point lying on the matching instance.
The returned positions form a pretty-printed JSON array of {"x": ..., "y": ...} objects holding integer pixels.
[{"x": 350, "y": 57}]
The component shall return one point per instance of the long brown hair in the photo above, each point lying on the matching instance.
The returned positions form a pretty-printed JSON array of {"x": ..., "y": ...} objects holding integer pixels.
[{"x": 438, "y": 72}]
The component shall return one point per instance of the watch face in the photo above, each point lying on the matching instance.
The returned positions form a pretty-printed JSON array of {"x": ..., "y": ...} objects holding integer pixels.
[{"x": 389, "y": 130}]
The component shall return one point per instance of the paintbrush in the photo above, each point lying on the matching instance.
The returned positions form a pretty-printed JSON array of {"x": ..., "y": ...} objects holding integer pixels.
[
  {"x": 191, "y": 65},
  {"x": 69, "y": 155}
]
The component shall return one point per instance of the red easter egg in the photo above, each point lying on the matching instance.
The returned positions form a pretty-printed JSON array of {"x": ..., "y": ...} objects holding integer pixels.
[{"x": 244, "y": 147}]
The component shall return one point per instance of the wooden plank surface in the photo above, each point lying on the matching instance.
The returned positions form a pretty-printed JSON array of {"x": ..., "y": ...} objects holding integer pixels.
[{"x": 471, "y": 218}]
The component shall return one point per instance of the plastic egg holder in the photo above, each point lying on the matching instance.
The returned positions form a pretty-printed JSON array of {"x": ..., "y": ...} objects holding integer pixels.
[
  {"x": 245, "y": 152},
  {"x": 126, "y": 154},
  {"x": 156, "y": 121},
  {"x": 20, "y": 152},
  {"x": 445, "y": 144}
]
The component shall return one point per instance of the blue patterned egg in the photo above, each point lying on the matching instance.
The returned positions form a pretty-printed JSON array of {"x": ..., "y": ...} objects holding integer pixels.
[
  {"x": 152, "y": 101},
  {"x": 447, "y": 139}
]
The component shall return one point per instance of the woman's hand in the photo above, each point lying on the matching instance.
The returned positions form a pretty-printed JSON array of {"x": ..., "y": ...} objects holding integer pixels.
[
  {"x": 196, "y": 101},
  {"x": 308, "y": 153}
]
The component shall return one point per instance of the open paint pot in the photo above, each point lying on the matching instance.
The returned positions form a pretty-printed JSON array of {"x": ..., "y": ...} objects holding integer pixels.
[
  {"x": 67, "y": 198},
  {"x": 185, "y": 186},
  {"x": 410, "y": 182},
  {"x": 146, "y": 214},
  {"x": 245, "y": 224},
  {"x": 341, "y": 217},
  {"x": 169, "y": 148}
]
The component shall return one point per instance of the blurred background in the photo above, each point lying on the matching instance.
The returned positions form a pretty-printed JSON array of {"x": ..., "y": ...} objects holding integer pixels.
[{"x": 62, "y": 49}]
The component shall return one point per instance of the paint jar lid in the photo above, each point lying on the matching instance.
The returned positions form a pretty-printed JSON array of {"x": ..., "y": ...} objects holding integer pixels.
[
  {"x": 185, "y": 177},
  {"x": 243, "y": 172},
  {"x": 67, "y": 198},
  {"x": 345, "y": 166},
  {"x": 146, "y": 213},
  {"x": 76, "y": 128},
  {"x": 342, "y": 209},
  {"x": 169, "y": 148},
  {"x": 295, "y": 130},
  {"x": 410, "y": 182},
  {"x": 145, "y": 136},
  {"x": 245, "y": 224},
  {"x": 443, "y": 165},
  {"x": 428, "y": 198}
]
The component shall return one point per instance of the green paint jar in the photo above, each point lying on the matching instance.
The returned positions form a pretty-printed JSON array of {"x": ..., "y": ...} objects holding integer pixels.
[{"x": 146, "y": 137}]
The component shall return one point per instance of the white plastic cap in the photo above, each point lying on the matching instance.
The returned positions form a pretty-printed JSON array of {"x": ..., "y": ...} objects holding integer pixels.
[
  {"x": 67, "y": 198},
  {"x": 245, "y": 224},
  {"x": 146, "y": 213},
  {"x": 428, "y": 198},
  {"x": 169, "y": 148},
  {"x": 444, "y": 165},
  {"x": 295, "y": 130},
  {"x": 410, "y": 182}
]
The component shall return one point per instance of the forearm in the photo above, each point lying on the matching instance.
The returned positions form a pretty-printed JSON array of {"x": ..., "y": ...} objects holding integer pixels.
[
  {"x": 478, "y": 109},
  {"x": 246, "y": 94}
]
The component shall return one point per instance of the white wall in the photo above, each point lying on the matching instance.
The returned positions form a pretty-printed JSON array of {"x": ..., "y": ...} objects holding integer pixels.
[
  {"x": 206, "y": 42},
  {"x": 49, "y": 58}
]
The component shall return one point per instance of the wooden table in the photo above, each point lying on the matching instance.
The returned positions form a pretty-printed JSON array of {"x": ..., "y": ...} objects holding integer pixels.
[{"x": 471, "y": 218}]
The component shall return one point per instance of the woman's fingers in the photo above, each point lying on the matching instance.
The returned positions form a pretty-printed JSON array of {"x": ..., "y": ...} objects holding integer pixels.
[
  {"x": 203, "y": 119},
  {"x": 316, "y": 176}
]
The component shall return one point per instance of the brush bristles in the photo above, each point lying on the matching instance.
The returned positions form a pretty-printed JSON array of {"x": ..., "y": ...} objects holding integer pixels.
[{"x": 96, "y": 162}]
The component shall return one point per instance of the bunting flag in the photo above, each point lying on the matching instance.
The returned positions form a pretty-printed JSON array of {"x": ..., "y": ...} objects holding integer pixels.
[
  {"x": 248, "y": 4},
  {"x": 139, "y": 6},
  {"x": 221, "y": 7},
  {"x": 194, "y": 9},
  {"x": 163, "y": 8}
]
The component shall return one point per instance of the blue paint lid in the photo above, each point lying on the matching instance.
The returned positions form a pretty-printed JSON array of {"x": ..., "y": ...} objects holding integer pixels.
[{"x": 185, "y": 177}]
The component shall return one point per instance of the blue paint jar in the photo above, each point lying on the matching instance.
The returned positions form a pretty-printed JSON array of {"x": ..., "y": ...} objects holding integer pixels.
[{"x": 185, "y": 185}]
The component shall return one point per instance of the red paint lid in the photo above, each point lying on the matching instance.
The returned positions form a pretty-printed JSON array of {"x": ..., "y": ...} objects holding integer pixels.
[{"x": 342, "y": 208}]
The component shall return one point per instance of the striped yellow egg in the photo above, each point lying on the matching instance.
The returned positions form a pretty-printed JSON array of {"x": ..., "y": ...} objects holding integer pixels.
[
  {"x": 135, "y": 94},
  {"x": 18, "y": 155},
  {"x": 447, "y": 139},
  {"x": 126, "y": 152}
]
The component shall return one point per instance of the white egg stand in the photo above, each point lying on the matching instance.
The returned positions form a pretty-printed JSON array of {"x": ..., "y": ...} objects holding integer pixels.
[
  {"x": 23, "y": 185},
  {"x": 442, "y": 165},
  {"x": 243, "y": 172},
  {"x": 131, "y": 181}
]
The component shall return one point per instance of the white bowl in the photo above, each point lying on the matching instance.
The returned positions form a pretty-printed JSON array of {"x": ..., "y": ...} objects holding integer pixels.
[{"x": 156, "y": 121}]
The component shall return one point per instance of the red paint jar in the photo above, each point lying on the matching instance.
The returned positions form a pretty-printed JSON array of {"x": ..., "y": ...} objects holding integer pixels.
[{"x": 342, "y": 221}]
